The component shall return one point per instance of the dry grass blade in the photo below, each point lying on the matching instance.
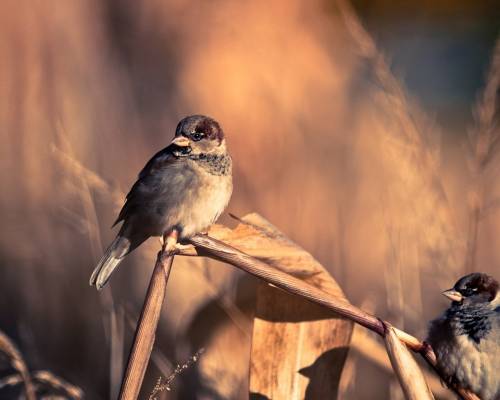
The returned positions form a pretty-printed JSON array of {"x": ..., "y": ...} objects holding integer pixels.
[
  {"x": 10, "y": 380},
  {"x": 84, "y": 181},
  {"x": 17, "y": 363},
  {"x": 48, "y": 378},
  {"x": 410, "y": 144},
  {"x": 406, "y": 368},
  {"x": 398, "y": 102},
  {"x": 37, "y": 378},
  {"x": 369, "y": 347},
  {"x": 484, "y": 139},
  {"x": 487, "y": 110},
  {"x": 93, "y": 180}
]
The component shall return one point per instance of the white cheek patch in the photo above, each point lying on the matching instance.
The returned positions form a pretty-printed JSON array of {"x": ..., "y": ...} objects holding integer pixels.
[{"x": 496, "y": 301}]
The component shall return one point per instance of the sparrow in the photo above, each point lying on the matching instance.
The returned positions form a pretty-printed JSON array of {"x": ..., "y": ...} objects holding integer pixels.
[
  {"x": 466, "y": 338},
  {"x": 180, "y": 192}
]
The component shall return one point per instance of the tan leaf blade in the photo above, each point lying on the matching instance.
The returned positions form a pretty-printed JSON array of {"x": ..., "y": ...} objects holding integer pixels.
[{"x": 406, "y": 368}]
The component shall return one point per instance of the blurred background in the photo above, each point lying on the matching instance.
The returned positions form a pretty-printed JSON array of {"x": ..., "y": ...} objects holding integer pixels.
[{"x": 373, "y": 149}]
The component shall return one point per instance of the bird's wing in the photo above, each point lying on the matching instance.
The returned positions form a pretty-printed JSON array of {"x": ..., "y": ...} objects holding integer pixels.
[
  {"x": 144, "y": 186},
  {"x": 160, "y": 160}
]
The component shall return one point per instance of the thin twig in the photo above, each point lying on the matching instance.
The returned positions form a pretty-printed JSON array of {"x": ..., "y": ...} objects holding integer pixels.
[
  {"x": 146, "y": 328},
  {"x": 179, "y": 369}
]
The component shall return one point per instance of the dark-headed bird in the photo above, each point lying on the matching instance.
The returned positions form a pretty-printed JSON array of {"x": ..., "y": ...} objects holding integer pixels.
[
  {"x": 466, "y": 338},
  {"x": 181, "y": 191}
]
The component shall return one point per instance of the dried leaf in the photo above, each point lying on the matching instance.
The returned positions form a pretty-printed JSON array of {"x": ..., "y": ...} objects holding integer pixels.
[{"x": 407, "y": 370}]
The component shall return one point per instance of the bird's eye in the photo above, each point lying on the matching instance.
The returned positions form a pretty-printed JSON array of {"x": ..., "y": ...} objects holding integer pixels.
[
  {"x": 196, "y": 136},
  {"x": 469, "y": 291}
]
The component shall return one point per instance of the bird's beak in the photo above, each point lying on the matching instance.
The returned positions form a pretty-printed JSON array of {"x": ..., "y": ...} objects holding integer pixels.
[
  {"x": 453, "y": 295},
  {"x": 180, "y": 141}
]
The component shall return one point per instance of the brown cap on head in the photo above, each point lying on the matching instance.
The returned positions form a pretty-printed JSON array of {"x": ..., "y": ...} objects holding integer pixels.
[
  {"x": 477, "y": 284},
  {"x": 200, "y": 124}
]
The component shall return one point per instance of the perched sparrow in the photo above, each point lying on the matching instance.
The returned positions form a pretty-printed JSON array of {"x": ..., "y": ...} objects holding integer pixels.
[
  {"x": 466, "y": 338},
  {"x": 181, "y": 191}
]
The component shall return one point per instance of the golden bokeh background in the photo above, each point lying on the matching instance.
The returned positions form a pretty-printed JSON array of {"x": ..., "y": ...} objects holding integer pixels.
[{"x": 373, "y": 176}]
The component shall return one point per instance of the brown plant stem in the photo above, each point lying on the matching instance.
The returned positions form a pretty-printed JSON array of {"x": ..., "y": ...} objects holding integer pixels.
[
  {"x": 213, "y": 248},
  {"x": 207, "y": 246},
  {"x": 146, "y": 328}
]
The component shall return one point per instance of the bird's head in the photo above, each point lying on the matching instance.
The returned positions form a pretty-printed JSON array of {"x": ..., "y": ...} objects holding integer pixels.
[
  {"x": 474, "y": 288},
  {"x": 199, "y": 134}
]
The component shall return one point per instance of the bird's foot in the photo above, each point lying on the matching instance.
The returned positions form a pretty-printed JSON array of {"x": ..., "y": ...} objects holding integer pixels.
[
  {"x": 180, "y": 247},
  {"x": 169, "y": 244}
]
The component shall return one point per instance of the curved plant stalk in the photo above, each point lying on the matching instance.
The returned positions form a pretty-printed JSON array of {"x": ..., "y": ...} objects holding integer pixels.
[{"x": 410, "y": 376}]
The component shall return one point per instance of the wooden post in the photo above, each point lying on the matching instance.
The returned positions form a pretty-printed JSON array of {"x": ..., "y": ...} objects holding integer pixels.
[{"x": 146, "y": 328}]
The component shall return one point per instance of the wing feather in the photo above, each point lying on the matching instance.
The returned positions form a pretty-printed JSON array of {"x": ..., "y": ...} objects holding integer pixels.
[{"x": 141, "y": 189}]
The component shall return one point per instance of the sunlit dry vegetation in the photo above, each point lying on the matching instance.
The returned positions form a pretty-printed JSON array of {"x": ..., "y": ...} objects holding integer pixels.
[{"x": 328, "y": 144}]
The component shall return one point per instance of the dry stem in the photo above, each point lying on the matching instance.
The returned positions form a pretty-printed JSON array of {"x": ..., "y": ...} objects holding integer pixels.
[{"x": 146, "y": 328}]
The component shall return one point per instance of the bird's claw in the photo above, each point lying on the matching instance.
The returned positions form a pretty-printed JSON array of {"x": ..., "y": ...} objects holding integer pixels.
[
  {"x": 171, "y": 245},
  {"x": 180, "y": 247},
  {"x": 169, "y": 242}
]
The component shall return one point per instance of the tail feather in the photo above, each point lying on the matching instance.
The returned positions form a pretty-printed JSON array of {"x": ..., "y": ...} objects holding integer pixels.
[{"x": 114, "y": 254}]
